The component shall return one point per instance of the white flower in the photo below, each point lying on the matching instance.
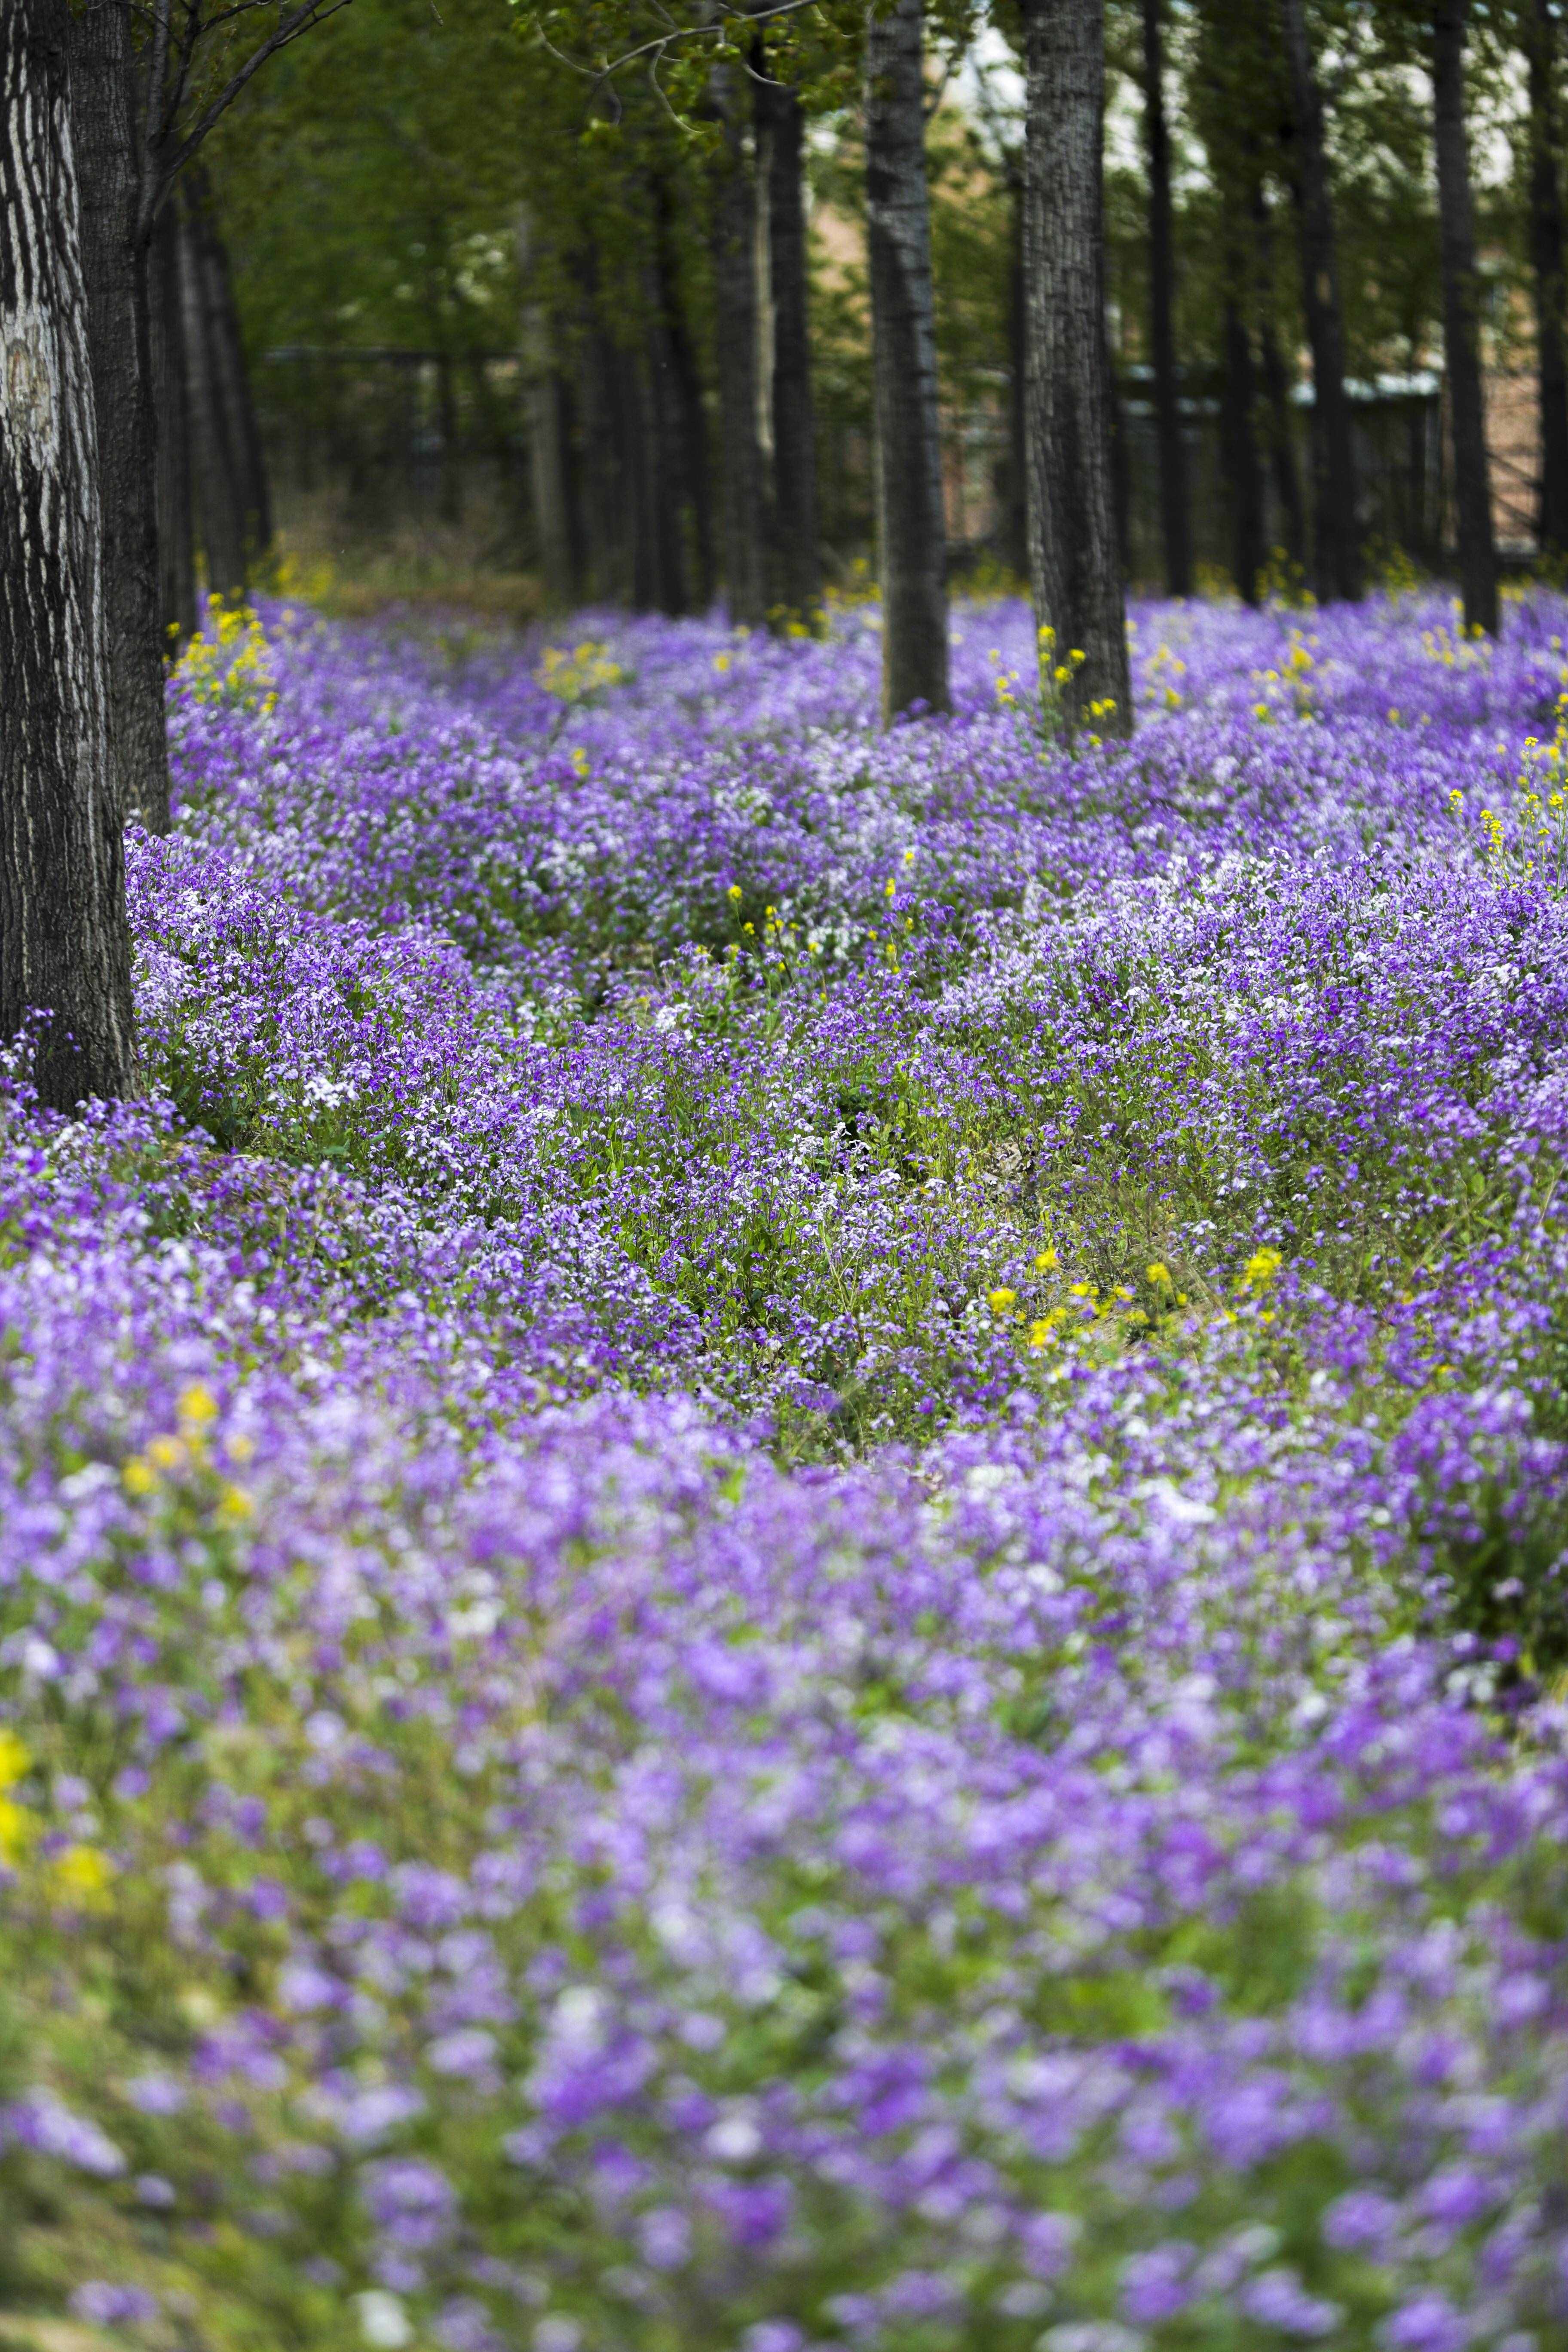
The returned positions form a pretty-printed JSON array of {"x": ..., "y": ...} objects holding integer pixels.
[{"x": 383, "y": 2322}]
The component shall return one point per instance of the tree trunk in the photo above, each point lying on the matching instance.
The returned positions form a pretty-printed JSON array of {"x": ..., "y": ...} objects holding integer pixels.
[
  {"x": 547, "y": 469},
  {"x": 1073, "y": 555},
  {"x": 689, "y": 426},
  {"x": 1277, "y": 389},
  {"x": 1016, "y": 502},
  {"x": 608, "y": 491},
  {"x": 911, "y": 528},
  {"x": 219, "y": 511},
  {"x": 65, "y": 941},
  {"x": 1336, "y": 541},
  {"x": 1461, "y": 347},
  {"x": 640, "y": 464},
  {"x": 547, "y": 397},
  {"x": 1546, "y": 256},
  {"x": 1175, "y": 521},
  {"x": 236, "y": 438},
  {"x": 666, "y": 464},
  {"x": 450, "y": 481},
  {"x": 1244, "y": 478},
  {"x": 245, "y": 433},
  {"x": 799, "y": 563},
  {"x": 735, "y": 299},
  {"x": 104, "y": 135},
  {"x": 176, "y": 553}
]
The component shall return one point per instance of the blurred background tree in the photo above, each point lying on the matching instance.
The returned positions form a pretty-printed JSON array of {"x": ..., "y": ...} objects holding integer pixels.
[{"x": 480, "y": 293}]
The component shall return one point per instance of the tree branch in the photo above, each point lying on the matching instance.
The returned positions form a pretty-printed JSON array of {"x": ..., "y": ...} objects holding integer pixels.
[{"x": 302, "y": 18}]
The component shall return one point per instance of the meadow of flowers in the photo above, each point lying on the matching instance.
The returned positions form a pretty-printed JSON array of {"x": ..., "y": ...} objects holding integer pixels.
[{"x": 781, "y": 1543}]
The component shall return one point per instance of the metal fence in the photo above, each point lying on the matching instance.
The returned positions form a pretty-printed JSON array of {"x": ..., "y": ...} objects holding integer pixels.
[{"x": 398, "y": 437}]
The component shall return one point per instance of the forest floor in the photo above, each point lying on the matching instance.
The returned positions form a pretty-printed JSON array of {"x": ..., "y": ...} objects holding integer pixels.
[{"x": 782, "y": 1545}]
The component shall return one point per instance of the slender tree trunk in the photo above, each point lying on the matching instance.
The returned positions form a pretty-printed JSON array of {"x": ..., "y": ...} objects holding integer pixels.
[
  {"x": 1277, "y": 389},
  {"x": 103, "y": 134},
  {"x": 219, "y": 512},
  {"x": 1073, "y": 559},
  {"x": 666, "y": 457},
  {"x": 640, "y": 461},
  {"x": 1282, "y": 444},
  {"x": 911, "y": 527},
  {"x": 1244, "y": 478},
  {"x": 549, "y": 444},
  {"x": 1175, "y": 521},
  {"x": 781, "y": 134},
  {"x": 244, "y": 431},
  {"x": 1336, "y": 539},
  {"x": 1546, "y": 256},
  {"x": 1015, "y": 504},
  {"x": 65, "y": 941},
  {"x": 688, "y": 423},
  {"x": 735, "y": 299},
  {"x": 176, "y": 553},
  {"x": 1461, "y": 342},
  {"x": 609, "y": 490},
  {"x": 547, "y": 468},
  {"x": 449, "y": 488},
  {"x": 231, "y": 429}
]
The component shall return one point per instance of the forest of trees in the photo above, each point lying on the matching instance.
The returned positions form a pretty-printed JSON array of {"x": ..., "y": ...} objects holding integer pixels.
[{"x": 1257, "y": 203}]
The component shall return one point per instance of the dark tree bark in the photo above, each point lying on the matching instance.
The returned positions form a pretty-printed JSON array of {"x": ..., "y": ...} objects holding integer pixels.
[
  {"x": 218, "y": 503},
  {"x": 735, "y": 335},
  {"x": 795, "y": 553},
  {"x": 665, "y": 461},
  {"x": 1336, "y": 539},
  {"x": 1175, "y": 521},
  {"x": 450, "y": 492},
  {"x": 608, "y": 503},
  {"x": 548, "y": 464},
  {"x": 547, "y": 397},
  {"x": 1073, "y": 559},
  {"x": 1015, "y": 500},
  {"x": 1546, "y": 257},
  {"x": 1244, "y": 478},
  {"x": 911, "y": 526},
  {"x": 1276, "y": 391},
  {"x": 65, "y": 941},
  {"x": 1461, "y": 339},
  {"x": 104, "y": 133},
  {"x": 690, "y": 424},
  {"x": 176, "y": 549},
  {"x": 233, "y": 374}
]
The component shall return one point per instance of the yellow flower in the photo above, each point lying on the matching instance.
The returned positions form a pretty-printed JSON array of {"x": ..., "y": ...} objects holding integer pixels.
[
  {"x": 1000, "y": 1300},
  {"x": 15, "y": 1759},
  {"x": 197, "y": 1406},
  {"x": 1260, "y": 1270},
  {"x": 1046, "y": 1262},
  {"x": 167, "y": 1452},
  {"x": 235, "y": 1504},
  {"x": 1157, "y": 1272},
  {"x": 16, "y": 1832},
  {"x": 140, "y": 1476},
  {"x": 1040, "y": 1332},
  {"x": 81, "y": 1875},
  {"x": 734, "y": 894}
]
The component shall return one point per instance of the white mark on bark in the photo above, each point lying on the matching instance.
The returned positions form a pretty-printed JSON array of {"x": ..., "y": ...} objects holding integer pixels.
[{"x": 29, "y": 390}]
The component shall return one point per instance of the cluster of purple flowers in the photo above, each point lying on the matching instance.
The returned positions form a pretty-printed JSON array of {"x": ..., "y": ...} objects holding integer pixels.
[{"x": 782, "y": 1546}]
